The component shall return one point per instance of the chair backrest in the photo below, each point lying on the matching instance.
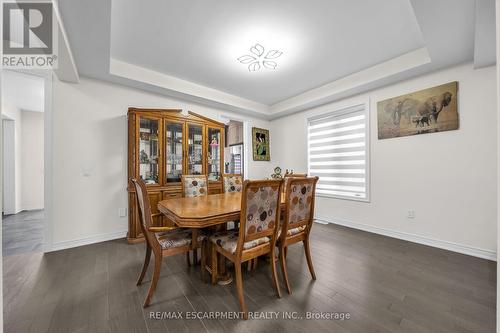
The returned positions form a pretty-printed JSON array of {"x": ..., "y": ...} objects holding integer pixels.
[
  {"x": 232, "y": 182},
  {"x": 194, "y": 185},
  {"x": 290, "y": 176},
  {"x": 144, "y": 210},
  {"x": 298, "y": 175},
  {"x": 260, "y": 210},
  {"x": 299, "y": 201}
]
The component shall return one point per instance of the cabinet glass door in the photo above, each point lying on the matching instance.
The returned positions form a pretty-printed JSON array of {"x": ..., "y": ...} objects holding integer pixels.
[
  {"x": 195, "y": 149},
  {"x": 214, "y": 153},
  {"x": 174, "y": 136},
  {"x": 149, "y": 150}
]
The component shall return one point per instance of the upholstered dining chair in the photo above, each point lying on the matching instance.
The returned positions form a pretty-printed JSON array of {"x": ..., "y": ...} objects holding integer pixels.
[
  {"x": 259, "y": 216},
  {"x": 232, "y": 182},
  {"x": 194, "y": 186},
  {"x": 297, "y": 221},
  {"x": 162, "y": 241}
]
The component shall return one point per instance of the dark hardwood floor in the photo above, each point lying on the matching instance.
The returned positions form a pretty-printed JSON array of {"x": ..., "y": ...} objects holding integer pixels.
[
  {"x": 386, "y": 285},
  {"x": 22, "y": 232}
]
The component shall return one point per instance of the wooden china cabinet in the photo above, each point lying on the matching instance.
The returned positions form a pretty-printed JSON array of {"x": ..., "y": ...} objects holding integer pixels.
[{"x": 163, "y": 145}]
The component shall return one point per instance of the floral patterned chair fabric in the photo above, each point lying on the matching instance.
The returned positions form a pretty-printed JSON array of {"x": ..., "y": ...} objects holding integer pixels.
[
  {"x": 294, "y": 231},
  {"x": 229, "y": 240},
  {"x": 300, "y": 203},
  {"x": 176, "y": 238},
  {"x": 233, "y": 183},
  {"x": 194, "y": 186},
  {"x": 261, "y": 206}
]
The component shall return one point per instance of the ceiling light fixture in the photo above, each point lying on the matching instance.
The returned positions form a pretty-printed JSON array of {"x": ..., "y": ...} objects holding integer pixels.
[{"x": 259, "y": 58}]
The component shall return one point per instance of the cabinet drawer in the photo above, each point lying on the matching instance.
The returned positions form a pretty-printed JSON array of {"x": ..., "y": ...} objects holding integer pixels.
[{"x": 171, "y": 195}]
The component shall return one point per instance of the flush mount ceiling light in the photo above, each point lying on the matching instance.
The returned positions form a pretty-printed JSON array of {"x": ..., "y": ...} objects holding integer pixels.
[{"x": 260, "y": 58}]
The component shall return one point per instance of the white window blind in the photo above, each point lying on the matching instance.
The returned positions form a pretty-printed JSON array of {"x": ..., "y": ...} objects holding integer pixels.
[{"x": 338, "y": 153}]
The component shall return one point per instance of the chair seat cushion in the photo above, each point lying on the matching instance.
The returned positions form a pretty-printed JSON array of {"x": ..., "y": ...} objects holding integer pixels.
[
  {"x": 177, "y": 238},
  {"x": 229, "y": 240},
  {"x": 294, "y": 231}
]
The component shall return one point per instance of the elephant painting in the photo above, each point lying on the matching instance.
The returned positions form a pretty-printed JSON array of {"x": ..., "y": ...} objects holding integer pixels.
[{"x": 424, "y": 111}]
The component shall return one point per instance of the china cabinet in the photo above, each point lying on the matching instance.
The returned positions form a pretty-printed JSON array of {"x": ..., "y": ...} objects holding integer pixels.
[{"x": 163, "y": 145}]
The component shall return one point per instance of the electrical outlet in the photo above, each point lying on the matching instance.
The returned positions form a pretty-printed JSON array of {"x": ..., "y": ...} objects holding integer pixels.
[
  {"x": 411, "y": 214},
  {"x": 122, "y": 212}
]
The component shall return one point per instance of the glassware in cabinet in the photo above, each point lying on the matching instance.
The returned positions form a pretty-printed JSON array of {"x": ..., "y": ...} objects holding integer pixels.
[
  {"x": 149, "y": 150},
  {"x": 195, "y": 149},
  {"x": 214, "y": 153},
  {"x": 174, "y": 158}
]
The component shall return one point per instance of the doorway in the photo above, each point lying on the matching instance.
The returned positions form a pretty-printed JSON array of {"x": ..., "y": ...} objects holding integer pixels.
[
  {"x": 23, "y": 122},
  {"x": 234, "y": 152}
]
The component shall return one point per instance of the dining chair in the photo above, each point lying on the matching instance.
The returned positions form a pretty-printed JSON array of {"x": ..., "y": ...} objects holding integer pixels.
[
  {"x": 162, "y": 241},
  {"x": 194, "y": 186},
  {"x": 259, "y": 216},
  {"x": 232, "y": 182},
  {"x": 297, "y": 221}
]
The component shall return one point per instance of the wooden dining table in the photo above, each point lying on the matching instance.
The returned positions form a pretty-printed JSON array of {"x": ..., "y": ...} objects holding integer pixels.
[{"x": 205, "y": 212}]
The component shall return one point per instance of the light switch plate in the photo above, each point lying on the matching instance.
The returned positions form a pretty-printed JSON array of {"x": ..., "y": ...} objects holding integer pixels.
[{"x": 122, "y": 212}]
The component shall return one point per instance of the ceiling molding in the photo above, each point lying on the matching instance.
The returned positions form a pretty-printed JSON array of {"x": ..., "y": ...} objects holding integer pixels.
[
  {"x": 66, "y": 66},
  {"x": 484, "y": 34},
  {"x": 144, "y": 75},
  {"x": 356, "y": 81}
]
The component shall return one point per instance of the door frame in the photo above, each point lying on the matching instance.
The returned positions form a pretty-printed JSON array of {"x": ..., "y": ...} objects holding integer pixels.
[
  {"x": 10, "y": 184},
  {"x": 223, "y": 117}
]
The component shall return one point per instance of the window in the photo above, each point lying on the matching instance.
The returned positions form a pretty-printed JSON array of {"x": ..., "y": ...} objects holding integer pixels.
[{"x": 338, "y": 153}]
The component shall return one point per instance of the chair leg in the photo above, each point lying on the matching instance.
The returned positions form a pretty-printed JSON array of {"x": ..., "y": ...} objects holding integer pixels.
[
  {"x": 283, "y": 268},
  {"x": 154, "y": 281},
  {"x": 249, "y": 265},
  {"x": 286, "y": 251},
  {"x": 188, "y": 259},
  {"x": 195, "y": 257},
  {"x": 145, "y": 265},
  {"x": 307, "y": 249},
  {"x": 203, "y": 260},
  {"x": 275, "y": 275},
  {"x": 239, "y": 289},
  {"x": 214, "y": 263}
]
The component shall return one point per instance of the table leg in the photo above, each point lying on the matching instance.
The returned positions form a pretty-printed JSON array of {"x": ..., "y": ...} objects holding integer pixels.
[{"x": 224, "y": 275}]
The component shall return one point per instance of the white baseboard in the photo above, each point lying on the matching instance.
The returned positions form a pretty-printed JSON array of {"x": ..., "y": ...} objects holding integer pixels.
[
  {"x": 88, "y": 240},
  {"x": 464, "y": 249}
]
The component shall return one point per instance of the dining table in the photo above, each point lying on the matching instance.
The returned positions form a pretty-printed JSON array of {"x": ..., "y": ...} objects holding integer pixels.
[{"x": 207, "y": 213}]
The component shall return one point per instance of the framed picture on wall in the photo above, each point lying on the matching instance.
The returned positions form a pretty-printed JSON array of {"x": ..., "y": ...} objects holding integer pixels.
[
  {"x": 421, "y": 112},
  {"x": 260, "y": 144}
]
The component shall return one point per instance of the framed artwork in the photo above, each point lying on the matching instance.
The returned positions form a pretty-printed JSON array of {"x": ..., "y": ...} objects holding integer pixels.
[
  {"x": 260, "y": 144},
  {"x": 425, "y": 111}
]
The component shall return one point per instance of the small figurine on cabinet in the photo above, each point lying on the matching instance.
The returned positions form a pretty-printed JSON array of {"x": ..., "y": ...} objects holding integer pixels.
[
  {"x": 214, "y": 142},
  {"x": 277, "y": 173},
  {"x": 144, "y": 157}
]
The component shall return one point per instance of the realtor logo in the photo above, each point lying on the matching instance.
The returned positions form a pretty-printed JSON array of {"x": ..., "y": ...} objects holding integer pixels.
[{"x": 29, "y": 35}]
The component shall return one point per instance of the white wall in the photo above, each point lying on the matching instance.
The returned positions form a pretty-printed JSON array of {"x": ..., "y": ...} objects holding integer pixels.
[
  {"x": 90, "y": 137},
  {"x": 32, "y": 160},
  {"x": 448, "y": 178}
]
